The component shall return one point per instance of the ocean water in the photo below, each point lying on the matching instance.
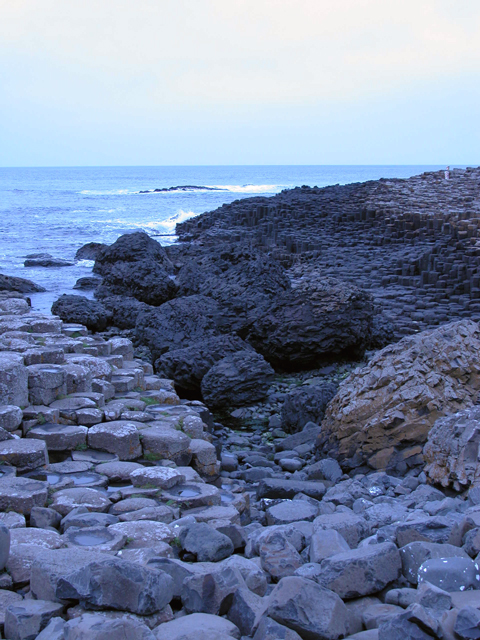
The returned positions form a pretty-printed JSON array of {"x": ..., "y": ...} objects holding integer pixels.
[{"x": 57, "y": 210}]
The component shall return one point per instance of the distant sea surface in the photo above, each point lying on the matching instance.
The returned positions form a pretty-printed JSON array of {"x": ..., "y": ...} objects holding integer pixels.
[{"x": 57, "y": 210}]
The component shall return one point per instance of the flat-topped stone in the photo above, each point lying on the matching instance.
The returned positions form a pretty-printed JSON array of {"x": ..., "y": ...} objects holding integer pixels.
[
  {"x": 145, "y": 533},
  {"x": 24, "y": 454},
  {"x": 59, "y": 437},
  {"x": 163, "y": 477},
  {"x": 13, "y": 379},
  {"x": 119, "y": 437},
  {"x": 67, "y": 499}
]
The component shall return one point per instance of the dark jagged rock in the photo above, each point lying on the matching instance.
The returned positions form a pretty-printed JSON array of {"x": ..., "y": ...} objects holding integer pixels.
[
  {"x": 189, "y": 365},
  {"x": 88, "y": 283},
  {"x": 243, "y": 281},
  {"x": 124, "y": 310},
  {"x": 135, "y": 266},
  {"x": 22, "y": 285},
  {"x": 90, "y": 251},
  {"x": 239, "y": 379},
  {"x": 78, "y": 309},
  {"x": 306, "y": 404},
  {"x": 183, "y": 187},
  {"x": 315, "y": 319},
  {"x": 177, "y": 324}
]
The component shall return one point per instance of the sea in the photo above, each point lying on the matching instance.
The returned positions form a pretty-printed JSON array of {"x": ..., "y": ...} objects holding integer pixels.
[{"x": 56, "y": 210}]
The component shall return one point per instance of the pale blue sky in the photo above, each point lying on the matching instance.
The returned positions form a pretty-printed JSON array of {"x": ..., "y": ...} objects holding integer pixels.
[{"x": 159, "y": 82}]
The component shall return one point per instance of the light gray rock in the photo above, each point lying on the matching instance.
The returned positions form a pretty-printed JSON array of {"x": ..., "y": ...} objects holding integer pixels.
[
  {"x": 6, "y": 599},
  {"x": 118, "y": 471},
  {"x": 211, "y": 591},
  {"x": 95, "y": 626},
  {"x": 67, "y": 499},
  {"x": 53, "y": 630},
  {"x": 351, "y": 527},
  {"x": 119, "y": 437},
  {"x": 291, "y": 511},
  {"x": 21, "y": 494},
  {"x": 13, "y": 380},
  {"x": 313, "y": 612},
  {"x": 42, "y": 538},
  {"x": 165, "y": 443},
  {"x": 467, "y": 624},
  {"x": 10, "y": 417},
  {"x": 24, "y": 454},
  {"x": 278, "y": 556},
  {"x": 361, "y": 572},
  {"x": 326, "y": 543},
  {"x": 25, "y": 620},
  {"x": 162, "y": 477},
  {"x": 144, "y": 533},
  {"x": 434, "y": 599},
  {"x": 197, "y": 626},
  {"x": 118, "y": 584},
  {"x": 59, "y": 437}
]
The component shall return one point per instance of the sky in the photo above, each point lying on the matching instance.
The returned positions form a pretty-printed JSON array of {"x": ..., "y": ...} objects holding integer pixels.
[{"x": 196, "y": 82}]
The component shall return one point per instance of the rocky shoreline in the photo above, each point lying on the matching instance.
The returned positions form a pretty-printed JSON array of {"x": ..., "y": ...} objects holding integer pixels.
[{"x": 337, "y": 328}]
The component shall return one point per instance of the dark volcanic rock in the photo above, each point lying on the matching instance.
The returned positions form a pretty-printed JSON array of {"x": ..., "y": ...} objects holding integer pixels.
[
  {"x": 82, "y": 310},
  {"x": 135, "y": 266},
  {"x": 88, "y": 283},
  {"x": 178, "y": 324},
  {"x": 188, "y": 366},
  {"x": 306, "y": 404},
  {"x": 90, "y": 251},
  {"x": 316, "y": 318},
  {"x": 239, "y": 379},
  {"x": 22, "y": 285},
  {"x": 243, "y": 281},
  {"x": 46, "y": 260},
  {"x": 124, "y": 310}
]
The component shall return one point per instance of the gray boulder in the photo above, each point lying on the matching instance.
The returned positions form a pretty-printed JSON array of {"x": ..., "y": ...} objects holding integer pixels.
[
  {"x": 316, "y": 318},
  {"x": 306, "y": 404},
  {"x": 90, "y": 251},
  {"x": 24, "y": 620},
  {"x": 313, "y": 612},
  {"x": 450, "y": 574},
  {"x": 22, "y": 285},
  {"x": 81, "y": 310},
  {"x": 188, "y": 365},
  {"x": 117, "y": 584},
  {"x": 268, "y": 629},
  {"x": 242, "y": 378},
  {"x": 414, "y": 554},
  {"x": 197, "y": 626},
  {"x": 95, "y": 626},
  {"x": 361, "y": 572},
  {"x": 206, "y": 543}
]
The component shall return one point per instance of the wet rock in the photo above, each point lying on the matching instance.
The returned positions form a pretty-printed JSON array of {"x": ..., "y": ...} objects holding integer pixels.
[
  {"x": 90, "y": 251},
  {"x": 382, "y": 413},
  {"x": 306, "y": 404},
  {"x": 46, "y": 260},
  {"x": 450, "y": 574},
  {"x": 22, "y": 285},
  {"x": 310, "y": 610},
  {"x": 241, "y": 378},
  {"x": 118, "y": 584},
  {"x": 79, "y": 309},
  {"x": 414, "y": 554}
]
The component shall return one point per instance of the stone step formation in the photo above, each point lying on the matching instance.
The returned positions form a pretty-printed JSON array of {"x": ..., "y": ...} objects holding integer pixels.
[
  {"x": 414, "y": 244},
  {"x": 128, "y": 512}
]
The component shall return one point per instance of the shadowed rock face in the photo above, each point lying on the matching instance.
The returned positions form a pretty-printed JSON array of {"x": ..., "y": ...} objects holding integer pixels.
[
  {"x": 22, "y": 285},
  {"x": 316, "y": 318},
  {"x": 135, "y": 266},
  {"x": 82, "y": 310},
  {"x": 382, "y": 413}
]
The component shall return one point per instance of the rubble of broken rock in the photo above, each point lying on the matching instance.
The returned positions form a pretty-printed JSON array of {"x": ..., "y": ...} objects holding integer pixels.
[{"x": 129, "y": 512}]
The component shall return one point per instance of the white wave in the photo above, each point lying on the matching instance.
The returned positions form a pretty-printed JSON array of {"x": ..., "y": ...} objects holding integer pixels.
[
  {"x": 181, "y": 216},
  {"x": 154, "y": 227},
  {"x": 85, "y": 263},
  {"x": 114, "y": 192},
  {"x": 250, "y": 188}
]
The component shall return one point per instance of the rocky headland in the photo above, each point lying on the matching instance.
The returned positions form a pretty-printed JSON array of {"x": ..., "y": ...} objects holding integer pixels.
[{"x": 269, "y": 430}]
